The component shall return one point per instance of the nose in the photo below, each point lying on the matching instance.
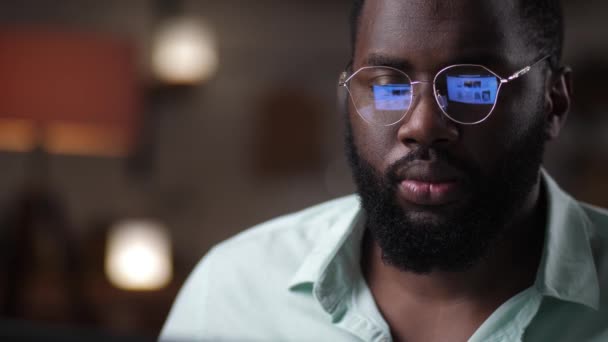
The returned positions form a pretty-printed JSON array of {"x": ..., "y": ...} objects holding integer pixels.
[{"x": 425, "y": 124}]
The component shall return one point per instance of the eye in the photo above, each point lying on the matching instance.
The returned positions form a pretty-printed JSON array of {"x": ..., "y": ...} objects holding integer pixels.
[
  {"x": 370, "y": 80},
  {"x": 386, "y": 79}
]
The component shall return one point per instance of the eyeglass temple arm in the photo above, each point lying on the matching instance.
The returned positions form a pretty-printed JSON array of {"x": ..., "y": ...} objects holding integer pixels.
[{"x": 523, "y": 71}]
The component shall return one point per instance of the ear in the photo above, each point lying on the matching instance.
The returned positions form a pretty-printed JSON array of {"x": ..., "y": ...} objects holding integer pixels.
[
  {"x": 342, "y": 95},
  {"x": 558, "y": 98}
]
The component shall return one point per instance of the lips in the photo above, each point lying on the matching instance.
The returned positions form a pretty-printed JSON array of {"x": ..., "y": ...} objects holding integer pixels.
[{"x": 430, "y": 184}]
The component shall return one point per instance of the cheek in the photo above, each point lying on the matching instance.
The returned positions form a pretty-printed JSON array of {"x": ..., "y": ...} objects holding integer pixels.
[
  {"x": 374, "y": 143},
  {"x": 523, "y": 95},
  {"x": 518, "y": 109},
  {"x": 523, "y": 105},
  {"x": 483, "y": 144}
]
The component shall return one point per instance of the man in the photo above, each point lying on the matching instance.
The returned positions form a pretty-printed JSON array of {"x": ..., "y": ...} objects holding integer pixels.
[{"x": 457, "y": 233}]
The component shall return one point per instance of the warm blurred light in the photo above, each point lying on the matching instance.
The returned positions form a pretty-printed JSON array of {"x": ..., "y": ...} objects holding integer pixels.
[
  {"x": 69, "y": 92},
  {"x": 184, "y": 52},
  {"x": 138, "y": 255}
]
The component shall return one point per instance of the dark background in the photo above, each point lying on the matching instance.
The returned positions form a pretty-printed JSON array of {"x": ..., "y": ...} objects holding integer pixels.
[{"x": 259, "y": 139}]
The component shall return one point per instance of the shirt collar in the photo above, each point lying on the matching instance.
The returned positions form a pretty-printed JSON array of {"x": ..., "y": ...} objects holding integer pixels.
[
  {"x": 333, "y": 264},
  {"x": 567, "y": 270}
]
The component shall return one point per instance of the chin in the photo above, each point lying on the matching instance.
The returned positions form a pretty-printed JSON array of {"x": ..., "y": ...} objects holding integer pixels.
[{"x": 435, "y": 215}]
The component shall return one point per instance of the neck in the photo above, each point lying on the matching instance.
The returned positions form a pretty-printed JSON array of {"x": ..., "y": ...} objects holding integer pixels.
[{"x": 509, "y": 267}]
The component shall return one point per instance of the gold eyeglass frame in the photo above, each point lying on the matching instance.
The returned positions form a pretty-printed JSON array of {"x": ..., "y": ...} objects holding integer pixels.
[{"x": 345, "y": 79}]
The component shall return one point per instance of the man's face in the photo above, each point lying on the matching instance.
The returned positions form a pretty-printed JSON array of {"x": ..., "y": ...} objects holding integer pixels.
[{"x": 438, "y": 193}]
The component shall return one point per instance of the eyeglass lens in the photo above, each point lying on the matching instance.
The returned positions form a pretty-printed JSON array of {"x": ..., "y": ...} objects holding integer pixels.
[{"x": 465, "y": 93}]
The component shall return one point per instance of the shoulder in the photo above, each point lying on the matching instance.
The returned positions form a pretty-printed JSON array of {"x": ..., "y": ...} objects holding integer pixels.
[
  {"x": 248, "y": 275},
  {"x": 598, "y": 217},
  {"x": 274, "y": 250},
  {"x": 597, "y": 230},
  {"x": 595, "y": 222}
]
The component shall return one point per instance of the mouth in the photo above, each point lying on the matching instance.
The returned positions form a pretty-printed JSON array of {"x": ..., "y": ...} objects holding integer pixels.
[
  {"x": 429, "y": 193},
  {"x": 430, "y": 184}
]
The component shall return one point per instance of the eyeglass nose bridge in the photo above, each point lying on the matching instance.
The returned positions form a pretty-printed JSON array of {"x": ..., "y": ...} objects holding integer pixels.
[
  {"x": 431, "y": 83},
  {"x": 440, "y": 100}
]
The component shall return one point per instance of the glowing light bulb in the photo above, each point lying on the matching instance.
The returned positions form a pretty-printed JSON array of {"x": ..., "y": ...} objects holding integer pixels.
[
  {"x": 138, "y": 255},
  {"x": 184, "y": 52}
]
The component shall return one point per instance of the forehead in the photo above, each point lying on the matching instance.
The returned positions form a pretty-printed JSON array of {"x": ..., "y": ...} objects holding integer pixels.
[{"x": 431, "y": 33}]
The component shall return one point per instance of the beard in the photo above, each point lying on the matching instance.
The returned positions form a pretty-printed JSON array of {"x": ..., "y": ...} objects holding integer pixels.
[{"x": 452, "y": 240}]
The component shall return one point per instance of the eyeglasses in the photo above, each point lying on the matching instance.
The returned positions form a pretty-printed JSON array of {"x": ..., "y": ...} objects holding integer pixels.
[{"x": 466, "y": 93}]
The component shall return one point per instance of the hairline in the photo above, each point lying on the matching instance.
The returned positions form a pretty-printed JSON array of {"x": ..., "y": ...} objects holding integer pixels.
[{"x": 551, "y": 47}]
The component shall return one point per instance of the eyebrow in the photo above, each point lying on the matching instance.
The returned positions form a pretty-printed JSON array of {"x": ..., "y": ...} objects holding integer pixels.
[
  {"x": 376, "y": 59},
  {"x": 481, "y": 57}
]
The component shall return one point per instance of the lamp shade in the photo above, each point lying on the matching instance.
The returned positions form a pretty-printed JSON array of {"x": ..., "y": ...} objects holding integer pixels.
[{"x": 71, "y": 92}]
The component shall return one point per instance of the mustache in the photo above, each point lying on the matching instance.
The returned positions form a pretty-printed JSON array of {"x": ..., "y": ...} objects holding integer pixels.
[{"x": 432, "y": 156}]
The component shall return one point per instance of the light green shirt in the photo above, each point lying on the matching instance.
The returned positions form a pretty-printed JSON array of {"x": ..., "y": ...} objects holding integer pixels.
[{"x": 297, "y": 278}]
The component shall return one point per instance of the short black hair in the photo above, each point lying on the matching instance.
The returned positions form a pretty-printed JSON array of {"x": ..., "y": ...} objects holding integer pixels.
[{"x": 543, "y": 24}]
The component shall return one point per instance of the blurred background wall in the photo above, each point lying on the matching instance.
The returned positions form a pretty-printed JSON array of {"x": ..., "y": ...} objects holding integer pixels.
[{"x": 258, "y": 138}]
